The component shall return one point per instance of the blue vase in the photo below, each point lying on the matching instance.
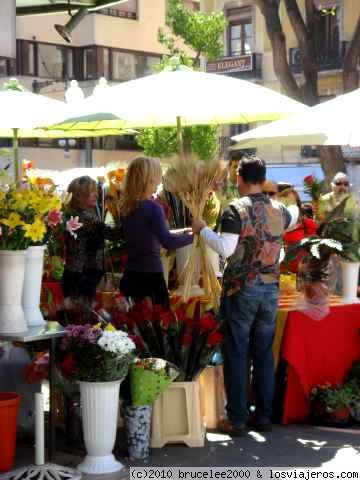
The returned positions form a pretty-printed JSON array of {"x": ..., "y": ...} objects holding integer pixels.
[{"x": 138, "y": 421}]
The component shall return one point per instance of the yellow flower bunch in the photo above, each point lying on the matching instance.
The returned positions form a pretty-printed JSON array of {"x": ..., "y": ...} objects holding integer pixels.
[{"x": 24, "y": 214}]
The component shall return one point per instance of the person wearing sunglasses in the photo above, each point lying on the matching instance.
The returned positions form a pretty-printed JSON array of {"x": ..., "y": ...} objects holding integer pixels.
[
  {"x": 270, "y": 188},
  {"x": 340, "y": 189}
]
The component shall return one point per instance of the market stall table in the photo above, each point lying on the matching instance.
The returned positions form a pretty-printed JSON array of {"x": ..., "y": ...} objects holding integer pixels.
[
  {"x": 50, "y": 331},
  {"x": 316, "y": 351}
]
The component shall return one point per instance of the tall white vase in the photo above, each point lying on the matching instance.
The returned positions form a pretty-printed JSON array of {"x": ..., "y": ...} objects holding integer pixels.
[
  {"x": 350, "y": 276},
  {"x": 32, "y": 286},
  {"x": 12, "y": 272},
  {"x": 100, "y": 405}
]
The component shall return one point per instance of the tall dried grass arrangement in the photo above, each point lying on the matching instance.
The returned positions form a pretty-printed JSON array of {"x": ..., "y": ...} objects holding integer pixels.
[{"x": 191, "y": 180}]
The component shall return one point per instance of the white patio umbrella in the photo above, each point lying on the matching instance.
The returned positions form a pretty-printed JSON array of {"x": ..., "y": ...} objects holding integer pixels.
[
  {"x": 22, "y": 112},
  {"x": 181, "y": 97},
  {"x": 335, "y": 122}
]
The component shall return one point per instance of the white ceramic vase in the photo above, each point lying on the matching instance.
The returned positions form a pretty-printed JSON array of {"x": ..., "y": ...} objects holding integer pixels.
[
  {"x": 12, "y": 272},
  {"x": 99, "y": 406},
  {"x": 350, "y": 276},
  {"x": 32, "y": 286}
]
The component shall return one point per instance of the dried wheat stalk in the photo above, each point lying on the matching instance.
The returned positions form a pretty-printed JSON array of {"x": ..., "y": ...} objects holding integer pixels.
[{"x": 191, "y": 180}]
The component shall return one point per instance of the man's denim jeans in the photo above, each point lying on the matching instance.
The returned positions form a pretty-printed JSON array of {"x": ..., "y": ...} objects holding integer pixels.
[{"x": 250, "y": 318}]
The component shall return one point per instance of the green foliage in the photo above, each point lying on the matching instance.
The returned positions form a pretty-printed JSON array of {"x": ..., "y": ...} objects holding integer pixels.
[
  {"x": 158, "y": 142},
  {"x": 13, "y": 84},
  {"x": 162, "y": 142},
  {"x": 200, "y": 31},
  {"x": 334, "y": 398},
  {"x": 342, "y": 227}
]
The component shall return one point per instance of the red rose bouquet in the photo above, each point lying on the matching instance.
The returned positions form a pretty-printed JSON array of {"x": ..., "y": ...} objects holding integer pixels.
[
  {"x": 187, "y": 342},
  {"x": 313, "y": 187}
]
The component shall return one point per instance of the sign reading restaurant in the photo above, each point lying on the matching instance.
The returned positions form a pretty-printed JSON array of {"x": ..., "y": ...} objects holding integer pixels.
[{"x": 231, "y": 64}]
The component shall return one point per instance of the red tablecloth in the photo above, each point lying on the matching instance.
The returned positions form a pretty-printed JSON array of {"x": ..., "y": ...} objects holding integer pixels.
[{"x": 316, "y": 352}]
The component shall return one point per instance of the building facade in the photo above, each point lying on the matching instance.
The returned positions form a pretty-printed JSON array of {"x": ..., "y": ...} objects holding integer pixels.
[
  {"x": 248, "y": 55},
  {"x": 118, "y": 42}
]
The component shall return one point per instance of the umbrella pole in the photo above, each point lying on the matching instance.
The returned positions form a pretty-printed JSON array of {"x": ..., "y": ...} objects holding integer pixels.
[
  {"x": 180, "y": 137},
  {"x": 16, "y": 154}
]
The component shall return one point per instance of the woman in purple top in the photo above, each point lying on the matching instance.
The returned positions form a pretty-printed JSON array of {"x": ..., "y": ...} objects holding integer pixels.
[{"x": 145, "y": 230}]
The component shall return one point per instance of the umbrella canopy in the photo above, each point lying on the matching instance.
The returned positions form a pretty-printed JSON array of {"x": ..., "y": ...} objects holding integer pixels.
[
  {"x": 22, "y": 112},
  {"x": 334, "y": 122},
  {"x": 195, "y": 98}
]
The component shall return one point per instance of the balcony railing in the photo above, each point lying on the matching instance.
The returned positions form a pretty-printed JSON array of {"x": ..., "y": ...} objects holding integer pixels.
[
  {"x": 243, "y": 66},
  {"x": 326, "y": 60}
]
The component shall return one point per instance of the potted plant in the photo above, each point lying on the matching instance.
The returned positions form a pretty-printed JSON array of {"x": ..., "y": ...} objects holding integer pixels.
[
  {"x": 314, "y": 271},
  {"x": 331, "y": 404},
  {"x": 342, "y": 224},
  {"x": 98, "y": 359}
]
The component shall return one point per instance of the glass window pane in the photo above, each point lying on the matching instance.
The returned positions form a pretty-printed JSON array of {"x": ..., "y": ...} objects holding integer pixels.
[
  {"x": 235, "y": 47},
  {"x": 106, "y": 63},
  {"x": 70, "y": 63},
  {"x": 248, "y": 29},
  {"x": 123, "y": 66},
  {"x": 89, "y": 63},
  {"x": 3, "y": 67},
  {"x": 235, "y": 31},
  {"x": 145, "y": 65},
  {"x": 51, "y": 60},
  {"x": 31, "y": 59}
]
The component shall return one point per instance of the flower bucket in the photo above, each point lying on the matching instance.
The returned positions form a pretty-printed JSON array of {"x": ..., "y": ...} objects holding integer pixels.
[
  {"x": 12, "y": 273},
  {"x": 9, "y": 405},
  {"x": 138, "y": 421},
  {"x": 100, "y": 405},
  {"x": 350, "y": 275},
  {"x": 32, "y": 285}
]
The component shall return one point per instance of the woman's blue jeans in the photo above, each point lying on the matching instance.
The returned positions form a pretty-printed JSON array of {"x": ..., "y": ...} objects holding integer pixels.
[{"x": 250, "y": 319}]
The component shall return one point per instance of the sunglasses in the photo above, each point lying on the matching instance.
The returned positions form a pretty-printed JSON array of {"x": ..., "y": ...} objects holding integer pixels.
[
  {"x": 270, "y": 194},
  {"x": 345, "y": 184}
]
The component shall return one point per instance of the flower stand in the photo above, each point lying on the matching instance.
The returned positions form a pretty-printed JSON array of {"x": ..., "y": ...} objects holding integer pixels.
[
  {"x": 12, "y": 272},
  {"x": 186, "y": 426},
  {"x": 138, "y": 421},
  {"x": 32, "y": 286},
  {"x": 350, "y": 275},
  {"x": 100, "y": 405}
]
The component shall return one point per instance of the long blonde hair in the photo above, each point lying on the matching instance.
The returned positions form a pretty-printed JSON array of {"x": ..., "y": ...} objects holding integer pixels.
[{"x": 139, "y": 174}]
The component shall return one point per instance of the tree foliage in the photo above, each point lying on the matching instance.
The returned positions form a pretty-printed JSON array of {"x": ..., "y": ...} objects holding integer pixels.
[{"x": 203, "y": 33}]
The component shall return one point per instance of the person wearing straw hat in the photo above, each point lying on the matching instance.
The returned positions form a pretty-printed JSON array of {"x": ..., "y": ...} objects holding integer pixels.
[{"x": 252, "y": 229}]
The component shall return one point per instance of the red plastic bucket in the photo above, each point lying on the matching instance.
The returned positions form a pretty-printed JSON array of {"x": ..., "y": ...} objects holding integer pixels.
[{"x": 9, "y": 405}]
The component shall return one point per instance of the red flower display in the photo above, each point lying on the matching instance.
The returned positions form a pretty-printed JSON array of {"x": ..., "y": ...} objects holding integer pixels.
[
  {"x": 68, "y": 366},
  {"x": 187, "y": 342}
]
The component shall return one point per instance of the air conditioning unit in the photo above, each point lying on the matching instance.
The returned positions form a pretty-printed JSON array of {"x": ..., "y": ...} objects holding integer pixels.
[{"x": 295, "y": 56}]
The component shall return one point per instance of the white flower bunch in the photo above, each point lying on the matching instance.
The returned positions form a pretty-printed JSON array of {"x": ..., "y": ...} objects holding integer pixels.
[{"x": 117, "y": 342}]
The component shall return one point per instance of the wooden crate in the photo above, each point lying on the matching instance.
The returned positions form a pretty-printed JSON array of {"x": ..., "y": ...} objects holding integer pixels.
[
  {"x": 176, "y": 416},
  {"x": 212, "y": 394}
]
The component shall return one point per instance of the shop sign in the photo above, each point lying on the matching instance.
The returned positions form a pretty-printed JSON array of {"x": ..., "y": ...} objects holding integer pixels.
[{"x": 231, "y": 64}]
